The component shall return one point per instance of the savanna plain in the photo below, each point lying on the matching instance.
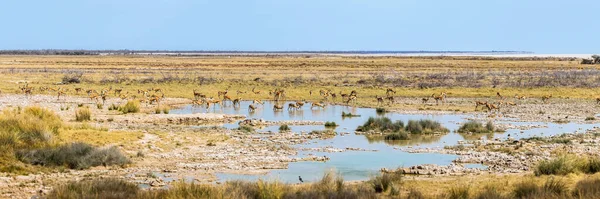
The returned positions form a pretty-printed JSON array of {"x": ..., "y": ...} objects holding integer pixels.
[{"x": 120, "y": 126}]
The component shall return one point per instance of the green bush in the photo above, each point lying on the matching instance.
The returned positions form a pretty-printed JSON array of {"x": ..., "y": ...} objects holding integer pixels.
[
  {"x": 330, "y": 124},
  {"x": 380, "y": 110},
  {"x": 132, "y": 106},
  {"x": 424, "y": 127},
  {"x": 83, "y": 114},
  {"x": 73, "y": 156},
  {"x": 284, "y": 127},
  {"x": 383, "y": 124},
  {"x": 562, "y": 165},
  {"x": 476, "y": 127},
  {"x": 590, "y": 118}
]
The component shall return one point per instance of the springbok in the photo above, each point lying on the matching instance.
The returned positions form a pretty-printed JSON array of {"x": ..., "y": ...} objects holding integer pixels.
[
  {"x": 491, "y": 106},
  {"x": 479, "y": 103},
  {"x": 237, "y": 101},
  {"x": 316, "y": 104},
  {"x": 441, "y": 97},
  {"x": 222, "y": 93},
  {"x": 499, "y": 96},
  {"x": 389, "y": 90},
  {"x": 352, "y": 98},
  {"x": 379, "y": 100},
  {"x": 256, "y": 101},
  {"x": 293, "y": 106},
  {"x": 390, "y": 98},
  {"x": 277, "y": 107},
  {"x": 197, "y": 94},
  {"x": 251, "y": 108},
  {"x": 255, "y": 91},
  {"x": 545, "y": 98}
]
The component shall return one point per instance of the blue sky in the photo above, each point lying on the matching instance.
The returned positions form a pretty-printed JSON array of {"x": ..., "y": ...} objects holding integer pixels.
[{"x": 542, "y": 26}]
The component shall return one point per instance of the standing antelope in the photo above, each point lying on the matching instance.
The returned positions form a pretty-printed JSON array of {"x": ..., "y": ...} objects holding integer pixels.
[
  {"x": 499, "y": 96},
  {"x": 425, "y": 99},
  {"x": 197, "y": 95},
  {"x": 257, "y": 102},
  {"x": 237, "y": 101},
  {"x": 226, "y": 97},
  {"x": 118, "y": 91},
  {"x": 352, "y": 98},
  {"x": 441, "y": 97},
  {"x": 545, "y": 98},
  {"x": 479, "y": 103},
  {"x": 491, "y": 106},
  {"x": 379, "y": 100},
  {"x": 222, "y": 93},
  {"x": 391, "y": 99},
  {"x": 389, "y": 90}
]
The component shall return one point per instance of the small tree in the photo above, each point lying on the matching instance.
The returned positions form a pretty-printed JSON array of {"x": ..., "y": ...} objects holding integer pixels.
[{"x": 596, "y": 59}]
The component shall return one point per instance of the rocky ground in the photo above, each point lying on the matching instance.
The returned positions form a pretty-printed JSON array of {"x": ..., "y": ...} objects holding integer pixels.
[{"x": 173, "y": 148}]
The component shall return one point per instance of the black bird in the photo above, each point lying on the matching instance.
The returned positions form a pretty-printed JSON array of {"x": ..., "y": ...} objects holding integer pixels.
[{"x": 300, "y": 178}]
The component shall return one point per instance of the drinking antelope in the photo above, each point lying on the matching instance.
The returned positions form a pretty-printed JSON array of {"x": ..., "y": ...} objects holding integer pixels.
[
  {"x": 251, "y": 108},
  {"x": 293, "y": 106},
  {"x": 197, "y": 94},
  {"x": 237, "y": 101},
  {"x": 316, "y": 104},
  {"x": 499, "y": 96},
  {"x": 277, "y": 107}
]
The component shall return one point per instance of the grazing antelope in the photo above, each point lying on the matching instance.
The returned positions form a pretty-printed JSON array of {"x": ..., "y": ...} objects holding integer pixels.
[
  {"x": 598, "y": 100},
  {"x": 279, "y": 94},
  {"x": 293, "y": 106},
  {"x": 156, "y": 90},
  {"x": 441, "y": 97},
  {"x": 343, "y": 95},
  {"x": 425, "y": 99},
  {"x": 277, "y": 107},
  {"x": 379, "y": 100},
  {"x": 77, "y": 90},
  {"x": 316, "y": 104},
  {"x": 333, "y": 96},
  {"x": 479, "y": 103},
  {"x": 353, "y": 93},
  {"x": 389, "y": 90},
  {"x": 118, "y": 91},
  {"x": 237, "y": 101},
  {"x": 94, "y": 96},
  {"x": 255, "y": 91},
  {"x": 519, "y": 97},
  {"x": 238, "y": 92},
  {"x": 511, "y": 103},
  {"x": 222, "y": 93},
  {"x": 491, "y": 106},
  {"x": 197, "y": 95},
  {"x": 300, "y": 103},
  {"x": 545, "y": 98},
  {"x": 251, "y": 108}
]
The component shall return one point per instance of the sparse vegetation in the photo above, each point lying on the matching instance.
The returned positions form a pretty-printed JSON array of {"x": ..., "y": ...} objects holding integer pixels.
[
  {"x": 384, "y": 124},
  {"x": 132, "y": 106},
  {"x": 476, "y": 127},
  {"x": 245, "y": 128},
  {"x": 567, "y": 164},
  {"x": 83, "y": 114},
  {"x": 284, "y": 127},
  {"x": 73, "y": 156},
  {"x": 590, "y": 118}
]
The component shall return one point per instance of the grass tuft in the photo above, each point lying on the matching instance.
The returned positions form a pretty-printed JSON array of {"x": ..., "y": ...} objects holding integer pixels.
[
  {"x": 83, "y": 114},
  {"x": 284, "y": 127},
  {"x": 132, "y": 106}
]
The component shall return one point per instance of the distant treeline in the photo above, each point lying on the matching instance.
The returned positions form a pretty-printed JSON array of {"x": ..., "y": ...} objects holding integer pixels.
[{"x": 168, "y": 52}]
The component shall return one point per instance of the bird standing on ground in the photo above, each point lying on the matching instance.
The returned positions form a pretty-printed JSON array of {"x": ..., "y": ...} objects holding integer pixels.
[{"x": 300, "y": 178}]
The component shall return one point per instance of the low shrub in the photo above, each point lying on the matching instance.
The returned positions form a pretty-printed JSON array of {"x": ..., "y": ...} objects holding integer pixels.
[
  {"x": 284, "y": 127},
  {"x": 73, "y": 156},
  {"x": 590, "y": 118},
  {"x": 132, "y": 106},
  {"x": 83, "y": 114},
  {"x": 383, "y": 124},
  {"x": 381, "y": 183},
  {"x": 587, "y": 188},
  {"x": 459, "y": 192},
  {"x": 476, "y": 127},
  {"x": 330, "y": 124},
  {"x": 96, "y": 188},
  {"x": 247, "y": 129}
]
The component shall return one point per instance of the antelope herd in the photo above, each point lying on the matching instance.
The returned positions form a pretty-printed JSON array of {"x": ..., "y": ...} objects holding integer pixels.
[{"x": 279, "y": 96}]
